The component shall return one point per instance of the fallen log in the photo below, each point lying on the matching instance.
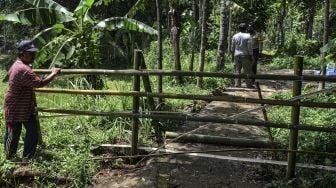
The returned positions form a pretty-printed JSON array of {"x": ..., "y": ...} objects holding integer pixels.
[{"x": 198, "y": 138}]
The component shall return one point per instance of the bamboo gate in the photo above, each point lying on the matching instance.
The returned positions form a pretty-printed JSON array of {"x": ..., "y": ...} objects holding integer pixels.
[{"x": 140, "y": 71}]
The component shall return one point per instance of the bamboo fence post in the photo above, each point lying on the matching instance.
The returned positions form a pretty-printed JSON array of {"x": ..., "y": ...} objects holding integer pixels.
[
  {"x": 136, "y": 101},
  {"x": 39, "y": 134},
  {"x": 151, "y": 103},
  {"x": 295, "y": 120}
]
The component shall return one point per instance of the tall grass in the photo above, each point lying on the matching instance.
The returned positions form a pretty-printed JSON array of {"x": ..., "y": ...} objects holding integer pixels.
[{"x": 69, "y": 139}]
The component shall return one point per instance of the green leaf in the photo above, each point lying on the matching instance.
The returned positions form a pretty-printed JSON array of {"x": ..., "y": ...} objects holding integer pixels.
[
  {"x": 47, "y": 35},
  {"x": 50, "y": 4},
  {"x": 83, "y": 7},
  {"x": 329, "y": 46},
  {"x": 64, "y": 52},
  {"x": 139, "y": 5},
  {"x": 127, "y": 24},
  {"x": 35, "y": 16},
  {"x": 233, "y": 6}
]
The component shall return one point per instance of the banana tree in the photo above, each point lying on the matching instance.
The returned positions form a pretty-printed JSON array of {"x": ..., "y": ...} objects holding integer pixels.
[{"x": 71, "y": 39}]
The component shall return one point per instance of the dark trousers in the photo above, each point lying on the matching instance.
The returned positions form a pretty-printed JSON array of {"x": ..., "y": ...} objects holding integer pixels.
[
  {"x": 12, "y": 137},
  {"x": 255, "y": 63}
]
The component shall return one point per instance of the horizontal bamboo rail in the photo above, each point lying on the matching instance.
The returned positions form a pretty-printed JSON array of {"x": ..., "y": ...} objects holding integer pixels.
[
  {"x": 236, "y": 99},
  {"x": 189, "y": 117},
  {"x": 207, "y": 154},
  {"x": 190, "y": 73},
  {"x": 163, "y": 152}
]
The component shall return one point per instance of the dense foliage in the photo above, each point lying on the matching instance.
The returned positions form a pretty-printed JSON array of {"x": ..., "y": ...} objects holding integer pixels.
[{"x": 104, "y": 33}]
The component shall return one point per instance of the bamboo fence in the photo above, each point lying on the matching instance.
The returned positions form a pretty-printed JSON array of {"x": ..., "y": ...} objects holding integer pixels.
[{"x": 296, "y": 104}]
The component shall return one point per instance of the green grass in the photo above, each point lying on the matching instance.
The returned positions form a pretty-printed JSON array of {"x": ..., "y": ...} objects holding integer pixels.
[
  {"x": 3, "y": 56},
  {"x": 308, "y": 140},
  {"x": 69, "y": 140}
]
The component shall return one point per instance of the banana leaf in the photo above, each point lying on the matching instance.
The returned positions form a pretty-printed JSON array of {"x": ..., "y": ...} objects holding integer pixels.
[
  {"x": 330, "y": 46},
  {"x": 34, "y": 16},
  {"x": 53, "y": 52},
  {"x": 66, "y": 50},
  {"x": 50, "y": 4},
  {"x": 139, "y": 5},
  {"x": 125, "y": 23},
  {"x": 83, "y": 8},
  {"x": 47, "y": 35}
]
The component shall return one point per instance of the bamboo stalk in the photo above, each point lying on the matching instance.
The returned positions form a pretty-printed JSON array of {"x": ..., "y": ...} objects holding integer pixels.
[
  {"x": 229, "y": 158},
  {"x": 147, "y": 84},
  {"x": 189, "y": 117},
  {"x": 136, "y": 104},
  {"x": 264, "y": 112},
  {"x": 164, "y": 152},
  {"x": 158, "y": 130},
  {"x": 236, "y": 99},
  {"x": 295, "y": 120},
  {"x": 190, "y": 73}
]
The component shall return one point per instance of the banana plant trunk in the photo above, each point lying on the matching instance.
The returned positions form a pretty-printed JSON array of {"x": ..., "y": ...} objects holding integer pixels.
[
  {"x": 175, "y": 39},
  {"x": 203, "y": 43}
]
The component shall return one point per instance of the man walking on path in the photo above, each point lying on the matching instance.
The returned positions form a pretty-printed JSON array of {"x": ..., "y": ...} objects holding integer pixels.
[
  {"x": 243, "y": 54},
  {"x": 19, "y": 101}
]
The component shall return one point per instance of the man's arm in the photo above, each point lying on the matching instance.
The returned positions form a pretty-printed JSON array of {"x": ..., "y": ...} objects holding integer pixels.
[{"x": 51, "y": 76}]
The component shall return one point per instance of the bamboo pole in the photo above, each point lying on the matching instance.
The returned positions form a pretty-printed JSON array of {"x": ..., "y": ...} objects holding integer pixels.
[
  {"x": 38, "y": 125},
  {"x": 295, "y": 120},
  {"x": 147, "y": 84},
  {"x": 151, "y": 103},
  {"x": 264, "y": 112},
  {"x": 124, "y": 148},
  {"x": 198, "y": 138},
  {"x": 190, "y": 117},
  {"x": 136, "y": 104},
  {"x": 190, "y": 73},
  {"x": 227, "y": 98}
]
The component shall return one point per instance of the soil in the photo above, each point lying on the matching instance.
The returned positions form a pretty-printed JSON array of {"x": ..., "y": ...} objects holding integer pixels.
[{"x": 202, "y": 172}]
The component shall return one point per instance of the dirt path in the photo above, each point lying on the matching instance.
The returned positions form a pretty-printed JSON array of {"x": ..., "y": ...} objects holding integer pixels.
[{"x": 191, "y": 171}]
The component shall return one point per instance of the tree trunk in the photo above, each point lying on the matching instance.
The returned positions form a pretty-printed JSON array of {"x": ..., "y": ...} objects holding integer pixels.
[
  {"x": 223, "y": 35},
  {"x": 159, "y": 50},
  {"x": 193, "y": 34},
  {"x": 309, "y": 22},
  {"x": 229, "y": 32},
  {"x": 281, "y": 26},
  {"x": 325, "y": 39},
  {"x": 175, "y": 38},
  {"x": 203, "y": 43}
]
